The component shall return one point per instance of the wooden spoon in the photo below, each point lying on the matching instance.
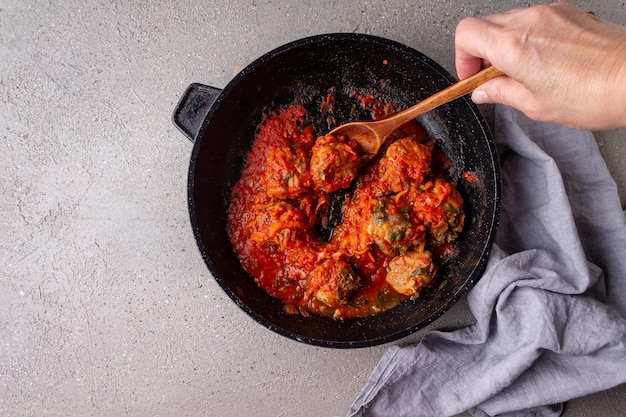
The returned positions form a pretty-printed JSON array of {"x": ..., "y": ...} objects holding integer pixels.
[{"x": 370, "y": 135}]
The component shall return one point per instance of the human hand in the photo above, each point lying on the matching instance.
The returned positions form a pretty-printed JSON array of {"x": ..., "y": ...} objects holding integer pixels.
[{"x": 563, "y": 65}]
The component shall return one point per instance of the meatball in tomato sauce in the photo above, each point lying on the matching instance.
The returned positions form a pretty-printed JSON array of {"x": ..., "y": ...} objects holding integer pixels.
[
  {"x": 333, "y": 282},
  {"x": 334, "y": 163}
]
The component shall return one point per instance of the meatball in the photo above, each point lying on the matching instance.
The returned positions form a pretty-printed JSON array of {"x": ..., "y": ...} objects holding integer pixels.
[
  {"x": 440, "y": 205},
  {"x": 332, "y": 282},
  {"x": 334, "y": 163},
  {"x": 287, "y": 172},
  {"x": 348, "y": 236},
  {"x": 274, "y": 224},
  {"x": 390, "y": 227},
  {"x": 406, "y": 161},
  {"x": 368, "y": 219},
  {"x": 410, "y": 272}
]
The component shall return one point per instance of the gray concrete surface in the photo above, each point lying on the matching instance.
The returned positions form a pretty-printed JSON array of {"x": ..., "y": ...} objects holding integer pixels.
[{"x": 106, "y": 308}]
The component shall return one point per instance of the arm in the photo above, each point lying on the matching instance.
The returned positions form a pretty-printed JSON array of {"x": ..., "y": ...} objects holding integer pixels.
[{"x": 563, "y": 65}]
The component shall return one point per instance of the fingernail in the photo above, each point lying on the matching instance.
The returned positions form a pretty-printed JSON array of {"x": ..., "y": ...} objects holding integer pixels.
[{"x": 479, "y": 96}]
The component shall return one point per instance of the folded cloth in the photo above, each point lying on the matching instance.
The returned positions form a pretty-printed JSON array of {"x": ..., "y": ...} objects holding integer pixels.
[{"x": 550, "y": 308}]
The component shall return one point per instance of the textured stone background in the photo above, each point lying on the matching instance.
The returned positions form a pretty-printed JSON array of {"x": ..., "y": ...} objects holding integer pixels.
[{"x": 106, "y": 308}]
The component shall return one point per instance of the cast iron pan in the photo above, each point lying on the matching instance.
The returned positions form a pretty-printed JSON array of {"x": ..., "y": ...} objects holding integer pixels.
[{"x": 222, "y": 125}]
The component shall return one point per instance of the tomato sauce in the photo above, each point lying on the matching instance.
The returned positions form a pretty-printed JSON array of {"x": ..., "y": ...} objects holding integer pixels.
[{"x": 400, "y": 215}]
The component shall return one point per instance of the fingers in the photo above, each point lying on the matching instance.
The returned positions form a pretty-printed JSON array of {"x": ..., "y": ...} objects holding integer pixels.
[
  {"x": 474, "y": 43},
  {"x": 469, "y": 45},
  {"x": 483, "y": 41},
  {"x": 489, "y": 40}
]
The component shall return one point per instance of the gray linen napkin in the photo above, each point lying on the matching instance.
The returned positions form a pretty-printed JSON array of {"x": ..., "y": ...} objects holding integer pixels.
[{"x": 550, "y": 308}]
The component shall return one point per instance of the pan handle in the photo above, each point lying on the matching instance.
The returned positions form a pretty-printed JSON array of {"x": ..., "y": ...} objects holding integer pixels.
[{"x": 193, "y": 107}]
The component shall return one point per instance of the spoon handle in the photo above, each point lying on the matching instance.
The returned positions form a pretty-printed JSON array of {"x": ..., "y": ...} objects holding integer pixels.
[{"x": 446, "y": 95}]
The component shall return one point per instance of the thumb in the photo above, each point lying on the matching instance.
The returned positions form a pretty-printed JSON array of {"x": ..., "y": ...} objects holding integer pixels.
[{"x": 503, "y": 90}]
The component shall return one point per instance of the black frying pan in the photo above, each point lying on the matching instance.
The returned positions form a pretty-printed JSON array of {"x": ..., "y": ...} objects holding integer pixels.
[{"x": 222, "y": 125}]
